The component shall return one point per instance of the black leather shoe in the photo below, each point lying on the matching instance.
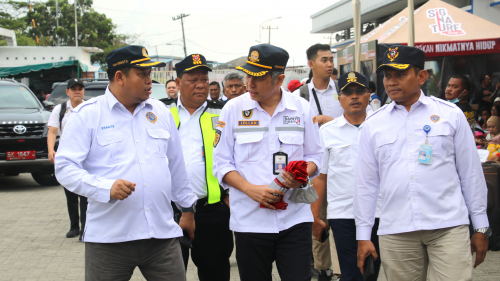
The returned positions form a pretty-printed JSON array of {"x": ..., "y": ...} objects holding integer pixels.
[
  {"x": 73, "y": 233},
  {"x": 325, "y": 275}
]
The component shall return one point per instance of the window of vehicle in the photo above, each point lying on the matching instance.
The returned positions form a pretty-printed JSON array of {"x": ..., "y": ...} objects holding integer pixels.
[
  {"x": 59, "y": 95},
  {"x": 17, "y": 97}
]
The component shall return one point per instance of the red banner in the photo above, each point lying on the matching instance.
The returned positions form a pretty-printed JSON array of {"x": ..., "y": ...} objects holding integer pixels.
[{"x": 460, "y": 48}]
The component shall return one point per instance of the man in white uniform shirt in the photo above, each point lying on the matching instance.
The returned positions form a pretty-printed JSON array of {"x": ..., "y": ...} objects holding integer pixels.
[
  {"x": 337, "y": 178},
  {"x": 322, "y": 94},
  {"x": 196, "y": 119},
  {"x": 254, "y": 130},
  {"x": 123, "y": 152},
  {"x": 426, "y": 202},
  {"x": 75, "y": 91}
]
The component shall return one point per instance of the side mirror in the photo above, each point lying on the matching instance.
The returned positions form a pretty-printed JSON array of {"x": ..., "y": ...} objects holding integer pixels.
[{"x": 48, "y": 104}]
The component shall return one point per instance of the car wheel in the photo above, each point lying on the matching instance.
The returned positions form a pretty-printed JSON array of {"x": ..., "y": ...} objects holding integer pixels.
[
  {"x": 11, "y": 174},
  {"x": 45, "y": 178}
]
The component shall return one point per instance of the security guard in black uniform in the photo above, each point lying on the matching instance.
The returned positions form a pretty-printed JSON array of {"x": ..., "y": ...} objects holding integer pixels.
[{"x": 196, "y": 119}]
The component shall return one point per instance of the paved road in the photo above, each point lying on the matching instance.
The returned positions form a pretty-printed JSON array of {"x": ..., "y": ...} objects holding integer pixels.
[{"x": 33, "y": 246}]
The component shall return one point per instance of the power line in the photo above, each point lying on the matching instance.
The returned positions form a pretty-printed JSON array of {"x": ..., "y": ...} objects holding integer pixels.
[{"x": 216, "y": 51}]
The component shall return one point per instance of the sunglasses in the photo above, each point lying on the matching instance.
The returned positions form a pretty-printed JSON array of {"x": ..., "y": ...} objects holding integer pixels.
[{"x": 348, "y": 92}]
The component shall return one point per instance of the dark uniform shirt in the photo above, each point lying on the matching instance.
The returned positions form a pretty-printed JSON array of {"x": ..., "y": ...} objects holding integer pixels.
[
  {"x": 480, "y": 95},
  {"x": 469, "y": 114}
]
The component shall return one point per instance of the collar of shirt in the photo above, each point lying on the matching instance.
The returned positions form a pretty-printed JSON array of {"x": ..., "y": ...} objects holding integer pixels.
[
  {"x": 422, "y": 100},
  {"x": 69, "y": 106},
  {"x": 285, "y": 102},
  {"x": 112, "y": 101},
  {"x": 341, "y": 121},
  {"x": 331, "y": 86},
  {"x": 181, "y": 106}
]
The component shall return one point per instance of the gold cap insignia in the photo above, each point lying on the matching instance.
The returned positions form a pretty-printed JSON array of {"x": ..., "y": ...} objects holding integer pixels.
[
  {"x": 145, "y": 53},
  {"x": 254, "y": 56},
  {"x": 393, "y": 53},
  {"x": 351, "y": 77},
  {"x": 196, "y": 59}
]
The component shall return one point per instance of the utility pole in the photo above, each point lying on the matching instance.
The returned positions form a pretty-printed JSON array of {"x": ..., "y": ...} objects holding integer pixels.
[
  {"x": 181, "y": 17},
  {"x": 76, "y": 29},
  {"x": 356, "y": 7},
  {"x": 329, "y": 37},
  {"x": 269, "y": 27},
  {"x": 411, "y": 24},
  {"x": 57, "y": 22}
]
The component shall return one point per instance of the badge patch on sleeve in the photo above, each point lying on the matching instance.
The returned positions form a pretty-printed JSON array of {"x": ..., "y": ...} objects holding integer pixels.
[
  {"x": 218, "y": 133},
  {"x": 248, "y": 123},
  {"x": 215, "y": 120},
  {"x": 151, "y": 117},
  {"x": 221, "y": 124},
  {"x": 315, "y": 120}
]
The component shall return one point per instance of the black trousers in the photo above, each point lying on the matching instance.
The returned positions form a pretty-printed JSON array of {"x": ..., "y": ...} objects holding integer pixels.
[
  {"x": 290, "y": 248},
  {"x": 344, "y": 233},
  {"x": 213, "y": 242},
  {"x": 72, "y": 202}
]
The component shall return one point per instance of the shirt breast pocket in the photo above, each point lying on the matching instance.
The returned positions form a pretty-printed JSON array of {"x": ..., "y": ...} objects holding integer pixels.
[
  {"x": 113, "y": 146},
  {"x": 441, "y": 140},
  {"x": 386, "y": 148},
  {"x": 249, "y": 147},
  {"x": 158, "y": 142},
  {"x": 341, "y": 156},
  {"x": 292, "y": 143}
]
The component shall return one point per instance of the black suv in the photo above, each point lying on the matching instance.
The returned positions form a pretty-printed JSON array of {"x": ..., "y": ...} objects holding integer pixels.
[
  {"x": 23, "y": 133},
  {"x": 97, "y": 88}
]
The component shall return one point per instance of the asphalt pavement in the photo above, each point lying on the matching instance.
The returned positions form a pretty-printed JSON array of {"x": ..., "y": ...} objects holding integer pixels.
[{"x": 33, "y": 246}]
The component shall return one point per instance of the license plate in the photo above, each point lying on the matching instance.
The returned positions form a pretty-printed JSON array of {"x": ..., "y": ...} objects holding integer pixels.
[{"x": 21, "y": 155}]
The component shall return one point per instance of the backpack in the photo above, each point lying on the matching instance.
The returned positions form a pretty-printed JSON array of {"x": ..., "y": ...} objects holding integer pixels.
[{"x": 62, "y": 113}]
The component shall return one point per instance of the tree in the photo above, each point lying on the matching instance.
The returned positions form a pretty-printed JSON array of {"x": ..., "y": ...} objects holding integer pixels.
[{"x": 94, "y": 29}]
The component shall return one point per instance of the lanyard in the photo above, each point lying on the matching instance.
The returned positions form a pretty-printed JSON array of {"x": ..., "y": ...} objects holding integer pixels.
[{"x": 427, "y": 128}]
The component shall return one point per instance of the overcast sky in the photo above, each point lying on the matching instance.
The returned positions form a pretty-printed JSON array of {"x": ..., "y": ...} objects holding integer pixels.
[{"x": 219, "y": 30}]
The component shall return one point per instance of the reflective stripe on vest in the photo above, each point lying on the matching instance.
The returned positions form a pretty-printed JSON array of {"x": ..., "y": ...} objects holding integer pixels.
[{"x": 208, "y": 121}]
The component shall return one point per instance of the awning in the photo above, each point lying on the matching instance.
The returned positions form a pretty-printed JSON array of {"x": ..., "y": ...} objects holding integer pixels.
[
  {"x": 441, "y": 29},
  {"x": 11, "y": 71}
]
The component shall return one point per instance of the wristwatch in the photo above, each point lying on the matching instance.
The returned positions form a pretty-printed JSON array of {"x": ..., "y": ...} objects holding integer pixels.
[
  {"x": 189, "y": 209},
  {"x": 487, "y": 231}
]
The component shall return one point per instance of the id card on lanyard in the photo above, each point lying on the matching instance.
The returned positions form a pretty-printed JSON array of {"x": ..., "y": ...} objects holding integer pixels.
[
  {"x": 280, "y": 160},
  {"x": 425, "y": 151}
]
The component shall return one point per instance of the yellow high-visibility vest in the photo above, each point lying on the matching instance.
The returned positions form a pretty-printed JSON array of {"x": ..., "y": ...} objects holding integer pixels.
[{"x": 208, "y": 122}]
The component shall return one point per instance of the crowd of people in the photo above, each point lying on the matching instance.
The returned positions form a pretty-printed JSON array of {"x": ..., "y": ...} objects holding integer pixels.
[{"x": 276, "y": 169}]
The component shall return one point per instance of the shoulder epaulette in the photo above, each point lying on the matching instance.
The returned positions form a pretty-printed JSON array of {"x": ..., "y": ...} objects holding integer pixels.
[
  {"x": 329, "y": 123},
  {"x": 85, "y": 103},
  {"x": 168, "y": 101},
  {"x": 215, "y": 104},
  {"x": 444, "y": 102}
]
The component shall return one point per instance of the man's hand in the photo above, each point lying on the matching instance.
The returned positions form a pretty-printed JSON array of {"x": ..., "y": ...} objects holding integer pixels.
[
  {"x": 52, "y": 155},
  {"x": 187, "y": 223},
  {"x": 479, "y": 244},
  {"x": 226, "y": 200},
  {"x": 365, "y": 248},
  {"x": 322, "y": 119},
  {"x": 290, "y": 182},
  {"x": 497, "y": 86},
  {"x": 318, "y": 227},
  {"x": 263, "y": 195},
  {"x": 121, "y": 189},
  {"x": 486, "y": 93}
]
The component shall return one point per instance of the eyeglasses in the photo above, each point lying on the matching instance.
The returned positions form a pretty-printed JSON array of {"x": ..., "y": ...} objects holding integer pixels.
[
  {"x": 348, "y": 92},
  {"x": 195, "y": 81}
]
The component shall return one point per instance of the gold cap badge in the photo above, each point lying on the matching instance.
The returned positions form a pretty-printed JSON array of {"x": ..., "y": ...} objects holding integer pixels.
[
  {"x": 393, "y": 53},
  {"x": 254, "y": 56}
]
